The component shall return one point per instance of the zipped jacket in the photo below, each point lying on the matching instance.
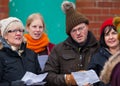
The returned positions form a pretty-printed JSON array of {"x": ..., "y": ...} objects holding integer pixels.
[{"x": 14, "y": 64}]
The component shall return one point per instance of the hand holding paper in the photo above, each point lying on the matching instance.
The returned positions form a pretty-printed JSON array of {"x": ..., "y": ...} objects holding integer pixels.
[
  {"x": 83, "y": 77},
  {"x": 69, "y": 79},
  {"x": 32, "y": 79}
]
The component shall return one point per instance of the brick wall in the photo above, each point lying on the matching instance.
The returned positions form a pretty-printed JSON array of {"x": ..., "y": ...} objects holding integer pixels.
[
  {"x": 97, "y": 11},
  {"x": 4, "y": 8}
]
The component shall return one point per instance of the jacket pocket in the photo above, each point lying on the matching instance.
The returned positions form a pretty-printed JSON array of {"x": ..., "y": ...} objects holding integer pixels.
[
  {"x": 10, "y": 61},
  {"x": 68, "y": 56}
]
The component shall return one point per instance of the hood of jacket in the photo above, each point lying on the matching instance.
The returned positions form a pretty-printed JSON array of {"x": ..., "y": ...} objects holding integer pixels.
[
  {"x": 108, "y": 67},
  {"x": 4, "y": 45}
]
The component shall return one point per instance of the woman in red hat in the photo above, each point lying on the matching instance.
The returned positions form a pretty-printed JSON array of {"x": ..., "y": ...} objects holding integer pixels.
[
  {"x": 111, "y": 72},
  {"x": 109, "y": 45}
]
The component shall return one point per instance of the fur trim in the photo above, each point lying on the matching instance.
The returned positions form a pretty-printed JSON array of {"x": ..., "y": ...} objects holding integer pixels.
[
  {"x": 108, "y": 67},
  {"x": 66, "y": 5}
]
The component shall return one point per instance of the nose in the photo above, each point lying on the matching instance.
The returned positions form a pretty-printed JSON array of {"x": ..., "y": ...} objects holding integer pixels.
[
  {"x": 111, "y": 36},
  {"x": 37, "y": 29},
  {"x": 18, "y": 32},
  {"x": 78, "y": 31}
]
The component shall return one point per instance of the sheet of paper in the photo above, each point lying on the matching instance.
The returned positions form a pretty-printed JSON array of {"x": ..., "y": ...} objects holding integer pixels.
[
  {"x": 32, "y": 79},
  {"x": 42, "y": 60},
  {"x": 84, "y": 77}
]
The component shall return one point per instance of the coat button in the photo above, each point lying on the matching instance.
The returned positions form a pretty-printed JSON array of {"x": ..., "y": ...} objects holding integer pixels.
[{"x": 81, "y": 65}]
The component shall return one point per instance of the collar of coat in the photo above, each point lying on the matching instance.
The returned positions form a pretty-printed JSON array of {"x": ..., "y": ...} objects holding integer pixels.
[
  {"x": 108, "y": 67},
  {"x": 4, "y": 44},
  {"x": 91, "y": 41}
]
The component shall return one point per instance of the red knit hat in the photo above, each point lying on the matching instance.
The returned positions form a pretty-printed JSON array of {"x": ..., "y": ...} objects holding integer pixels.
[{"x": 106, "y": 23}]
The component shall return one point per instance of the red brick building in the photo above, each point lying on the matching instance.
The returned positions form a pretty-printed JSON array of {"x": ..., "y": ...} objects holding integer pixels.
[
  {"x": 96, "y": 10},
  {"x": 4, "y": 10}
]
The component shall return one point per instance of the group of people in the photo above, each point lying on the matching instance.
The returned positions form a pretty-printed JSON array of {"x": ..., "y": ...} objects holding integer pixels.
[
  {"x": 32, "y": 51},
  {"x": 21, "y": 52}
]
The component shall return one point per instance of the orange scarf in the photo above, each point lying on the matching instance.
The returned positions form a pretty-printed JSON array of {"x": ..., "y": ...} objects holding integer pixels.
[{"x": 38, "y": 45}]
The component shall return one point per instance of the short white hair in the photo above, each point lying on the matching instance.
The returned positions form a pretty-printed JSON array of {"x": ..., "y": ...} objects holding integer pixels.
[{"x": 4, "y": 23}]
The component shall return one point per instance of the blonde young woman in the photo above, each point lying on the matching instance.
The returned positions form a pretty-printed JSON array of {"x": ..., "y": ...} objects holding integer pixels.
[{"x": 37, "y": 39}]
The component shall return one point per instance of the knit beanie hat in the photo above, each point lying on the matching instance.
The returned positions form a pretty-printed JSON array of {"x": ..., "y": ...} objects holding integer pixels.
[
  {"x": 116, "y": 22},
  {"x": 73, "y": 18},
  {"x": 4, "y": 23},
  {"x": 105, "y": 24}
]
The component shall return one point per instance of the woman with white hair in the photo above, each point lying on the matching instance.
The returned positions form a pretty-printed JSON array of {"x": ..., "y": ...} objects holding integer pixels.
[{"x": 15, "y": 58}]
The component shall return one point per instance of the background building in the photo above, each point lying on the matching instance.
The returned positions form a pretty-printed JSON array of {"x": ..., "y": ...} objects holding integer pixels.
[{"x": 96, "y": 10}]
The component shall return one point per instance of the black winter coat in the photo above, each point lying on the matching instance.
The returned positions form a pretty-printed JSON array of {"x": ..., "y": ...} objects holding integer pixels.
[
  {"x": 13, "y": 65},
  {"x": 97, "y": 62}
]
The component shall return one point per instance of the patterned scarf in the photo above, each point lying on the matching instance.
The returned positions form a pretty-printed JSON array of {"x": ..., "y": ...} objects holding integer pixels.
[{"x": 38, "y": 45}]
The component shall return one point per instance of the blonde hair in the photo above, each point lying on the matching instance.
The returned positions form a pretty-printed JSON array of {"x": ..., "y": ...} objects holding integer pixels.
[{"x": 33, "y": 17}]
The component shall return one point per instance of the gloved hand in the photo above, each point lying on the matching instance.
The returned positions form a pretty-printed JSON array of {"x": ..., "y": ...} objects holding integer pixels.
[
  {"x": 17, "y": 83},
  {"x": 69, "y": 79}
]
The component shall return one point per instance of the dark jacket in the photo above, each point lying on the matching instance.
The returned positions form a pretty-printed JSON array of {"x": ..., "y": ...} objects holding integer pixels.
[
  {"x": 13, "y": 65},
  {"x": 68, "y": 57},
  {"x": 115, "y": 76},
  {"x": 97, "y": 62}
]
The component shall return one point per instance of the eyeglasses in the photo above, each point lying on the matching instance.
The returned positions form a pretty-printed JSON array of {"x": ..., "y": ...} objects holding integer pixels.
[
  {"x": 15, "y": 31},
  {"x": 78, "y": 29}
]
